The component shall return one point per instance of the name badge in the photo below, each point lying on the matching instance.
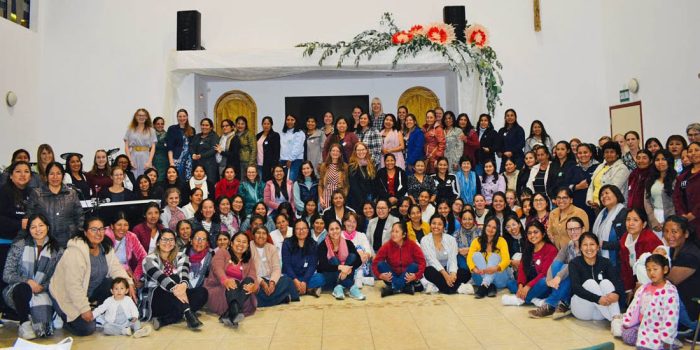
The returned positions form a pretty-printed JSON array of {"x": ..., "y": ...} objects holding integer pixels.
[
  {"x": 306, "y": 264},
  {"x": 538, "y": 262},
  {"x": 265, "y": 143},
  {"x": 600, "y": 276}
]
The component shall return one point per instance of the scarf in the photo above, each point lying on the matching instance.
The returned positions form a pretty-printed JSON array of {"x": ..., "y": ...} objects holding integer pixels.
[
  {"x": 202, "y": 184},
  {"x": 603, "y": 225},
  {"x": 227, "y": 220},
  {"x": 196, "y": 261},
  {"x": 175, "y": 216},
  {"x": 465, "y": 237},
  {"x": 40, "y": 306},
  {"x": 342, "y": 250},
  {"x": 467, "y": 187},
  {"x": 349, "y": 235}
]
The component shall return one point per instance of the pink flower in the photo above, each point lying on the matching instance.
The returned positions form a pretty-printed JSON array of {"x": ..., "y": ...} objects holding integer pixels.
[
  {"x": 401, "y": 37},
  {"x": 441, "y": 33},
  {"x": 478, "y": 35}
]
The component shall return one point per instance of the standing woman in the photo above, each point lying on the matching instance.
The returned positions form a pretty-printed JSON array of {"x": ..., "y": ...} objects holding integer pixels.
[
  {"x": 160, "y": 158},
  {"x": 562, "y": 169},
  {"x": 489, "y": 143},
  {"x": 392, "y": 141},
  {"x": 342, "y": 136},
  {"x": 454, "y": 146},
  {"x": 58, "y": 203},
  {"x": 638, "y": 178},
  {"x": 203, "y": 149},
  {"x": 377, "y": 113},
  {"x": 513, "y": 137},
  {"x": 228, "y": 150},
  {"x": 470, "y": 137},
  {"x": 140, "y": 141},
  {"x": 293, "y": 139},
  {"x": 440, "y": 249},
  {"x": 611, "y": 172},
  {"x": 539, "y": 173},
  {"x": 632, "y": 142},
  {"x": 362, "y": 174},
  {"x": 99, "y": 176},
  {"x": 414, "y": 139},
  {"x": 251, "y": 189},
  {"x": 491, "y": 182},
  {"x": 313, "y": 145},
  {"x": 434, "y": 141},
  {"x": 328, "y": 124},
  {"x": 333, "y": 175},
  {"x": 371, "y": 138},
  {"x": 268, "y": 146},
  {"x": 305, "y": 187},
  {"x": 658, "y": 194},
  {"x": 44, "y": 155},
  {"x": 686, "y": 194},
  {"x": 248, "y": 145},
  {"x": 178, "y": 140},
  {"x": 538, "y": 136},
  {"x": 75, "y": 175},
  {"x": 278, "y": 190},
  {"x": 582, "y": 178}
]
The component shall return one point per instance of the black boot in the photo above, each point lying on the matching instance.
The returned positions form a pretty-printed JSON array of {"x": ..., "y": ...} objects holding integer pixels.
[
  {"x": 387, "y": 291},
  {"x": 234, "y": 315},
  {"x": 192, "y": 321},
  {"x": 408, "y": 289}
]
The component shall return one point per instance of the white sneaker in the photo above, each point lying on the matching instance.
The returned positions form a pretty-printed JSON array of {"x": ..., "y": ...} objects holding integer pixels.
[
  {"x": 616, "y": 326},
  {"x": 368, "y": 281},
  {"x": 537, "y": 302},
  {"x": 57, "y": 321},
  {"x": 431, "y": 288},
  {"x": 143, "y": 332},
  {"x": 511, "y": 300},
  {"x": 358, "y": 282},
  {"x": 126, "y": 331},
  {"x": 25, "y": 331},
  {"x": 466, "y": 288}
]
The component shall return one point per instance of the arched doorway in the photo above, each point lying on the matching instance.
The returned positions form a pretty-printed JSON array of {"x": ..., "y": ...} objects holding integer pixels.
[
  {"x": 419, "y": 100},
  {"x": 235, "y": 103}
]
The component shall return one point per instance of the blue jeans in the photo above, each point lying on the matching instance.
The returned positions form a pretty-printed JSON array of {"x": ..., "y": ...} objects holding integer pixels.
[
  {"x": 293, "y": 169},
  {"x": 462, "y": 262},
  {"x": 328, "y": 280},
  {"x": 283, "y": 290},
  {"x": 499, "y": 279},
  {"x": 539, "y": 290},
  {"x": 398, "y": 280},
  {"x": 684, "y": 318},
  {"x": 563, "y": 293}
]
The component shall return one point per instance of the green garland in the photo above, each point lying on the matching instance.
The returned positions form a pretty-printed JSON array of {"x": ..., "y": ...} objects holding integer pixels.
[{"x": 462, "y": 58}]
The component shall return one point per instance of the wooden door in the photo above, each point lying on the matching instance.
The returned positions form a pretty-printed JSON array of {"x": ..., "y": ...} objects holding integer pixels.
[
  {"x": 419, "y": 100},
  {"x": 233, "y": 104}
]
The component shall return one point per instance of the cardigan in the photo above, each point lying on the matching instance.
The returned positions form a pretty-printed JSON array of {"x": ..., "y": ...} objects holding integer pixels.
[
  {"x": 155, "y": 278},
  {"x": 269, "y": 195},
  {"x": 646, "y": 242},
  {"x": 501, "y": 249},
  {"x": 411, "y": 233},
  {"x": 271, "y": 259},
  {"x": 400, "y": 184},
  {"x": 386, "y": 232},
  {"x": 617, "y": 174},
  {"x": 449, "y": 243},
  {"x": 399, "y": 257},
  {"x": 414, "y": 146},
  {"x": 686, "y": 197},
  {"x": 143, "y": 232},
  {"x": 135, "y": 252},
  {"x": 299, "y": 263},
  {"x": 657, "y": 318},
  {"x": 249, "y": 148}
]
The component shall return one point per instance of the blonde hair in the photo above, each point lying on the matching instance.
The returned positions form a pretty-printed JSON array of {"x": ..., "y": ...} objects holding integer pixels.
[
  {"x": 355, "y": 162},
  {"x": 381, "y": 106},
  {"x": 41, "y": 169},
  {"x": 173, "y": 253}
]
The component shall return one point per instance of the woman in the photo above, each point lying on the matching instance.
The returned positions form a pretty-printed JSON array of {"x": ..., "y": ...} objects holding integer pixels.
[
  {"x": 489, "y": 143},
  {"x": 562, "y": 169},
  {"x": 362, "y": 174},
  {"x": 341, "y": 136},
  {"x": 414, "y": 139},
  {"x": 363, "y": 275},
  {"x": 200, "y": 181},
  {"x": 173, "y": 180},
  {"x": 401, "y": 114},
  {"x": 637, "y": 240},
  {"x": 29, "y": 267},
  {"x": 338, "y": 209},
  {"x": 13, "y": 207},
  {"x": 511, "y": 173},
  {"x": 416, "y": 228},
  {"x": 116, "y": 192},
  {"x": 685, "y": 259},
  {"x": 371, "y": 138},
  {"x": 160, "y": 158},
  {"x": 516, "y": 236},
  {"x": 228, "y": 185},
  {"x": 203, "y": 149},
  {"x": 207, "y": 218},
  {"x": 231, "y": 213},
  {"x": 83, "y": 276},
  {"x": 638, "y": 178},
  {"x": 196, "y": 198},
  {"x": 293, "y": 139},
  {"x": 228, "y": 149},
  {"x": 178, "y": 140},
  {"x": 140, "y": 141},
  {"x": 328, "y": 124},
  {"x": 399, "y": 263},
  {"x": 274, "y": 289},
  {"x": 401, "y": 211},
  {"x": 468, "y": 231},
  {"x": 419, "y": 181},
  {"x": 259, "y": 209},
  {"x": 200, "y": 256},
  {"x": 561, "y": 215},
  {"x": 393, "y": 141},
  {"x": 633, "y": 147},
  {"x": 540, "y": 210},
  {"x": 538, "y": 255},
  {"x": 377, "y": 113},
  {"x": 454, "y": 146},
  {"x": 305, "y": 187},
  {"x": 172, "y": 214},
  {"x": 143, "y": 188},
  {"x": 333, "y": 175},
  {"x": 184, "y": 235},
  {"x": 251, "y": 189},
  {"x": 427, "y": 209},
  {"x": 467, "y": 183},
  {"x": 451, "y": 223},
  {"x": 540, "y": 173},
  {"x": 127, "y": 247},
  {"x": 248, "y": 145},
  {"x": 123, "y": 162},
  {"x": 610, "y": 223},
  {"x": 583, "y": 174},
  {"x": 658, "y": 193},
  {"x": 149, "y": 230},
  {"x": 318, "y": 229},
  {"x": 653, "y": 145},
  {"x": 611, "y": 172},
  {"x": 75, "y": 176},
  {"x": 168, "y": 295},
  {"x": 470, "y": 137},
  {"x": 440, "y": 251},
  {"x": 391, "y": 181},
  {"x": 488, "y": 260},
  {"x": 480, "y": 209},
  {"x": 21, "y": 155},
  {"x": 310, "y": 209},
  {"x": 513, "y": 138},
  {"x": 99, "y": 176},
  {"x": 44, "y": 155},
  {"x": 434, "y": 141},
  {"x": 268, "y": 146},
  {"x": 446, "y": 187},
  {"x": 524, "y": 172},
  {"x": 595, "y": 285},
  {"x": 686, "y": 194},
  {"x": 278, "y": 190},
  {"x": 299, "y": 259},
  {"x": 58, "y": 203},
  {"x": 538, "y": 136},
  {"x": 313, "y": 145},
  {"x": 491, "y": 182},
  {"x": 379, "y": 228}
]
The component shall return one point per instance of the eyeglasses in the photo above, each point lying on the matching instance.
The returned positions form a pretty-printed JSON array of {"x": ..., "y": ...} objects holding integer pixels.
[
  {"x": 94, "y": 230},
  {"x": 573, "y": 229},
  {"x": 170, "y": 240}
]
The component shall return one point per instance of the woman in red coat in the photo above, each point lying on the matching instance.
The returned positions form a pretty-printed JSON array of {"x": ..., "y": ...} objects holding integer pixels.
[
  {"x": 399, "y": 262},
  {"x": 686, "y": 195},
  {"x": 638, "y": 239},
  {"x": 435, "y": 142}
]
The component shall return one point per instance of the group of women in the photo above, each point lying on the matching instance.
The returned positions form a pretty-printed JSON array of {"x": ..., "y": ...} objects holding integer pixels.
[{"x": 248, "y": 221}]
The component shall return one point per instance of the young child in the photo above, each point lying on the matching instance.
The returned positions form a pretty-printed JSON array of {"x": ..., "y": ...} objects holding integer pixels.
[
  {"x": 120, "y": 313},
  {"x": 651, "y": 321}
]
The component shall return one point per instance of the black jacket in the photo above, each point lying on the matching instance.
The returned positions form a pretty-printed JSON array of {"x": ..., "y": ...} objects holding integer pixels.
[
  {"x": 362, "y": 188},
  {"x": 12, "y": 211},
  {"x": 490, "y": 140},
  {"x": 232, "y": 154},
  {"x": 271, "y": 153},
  {"x": 324, "y": 265},
  {"x": 580, "y": 272},
  {"x": 400, "y": 184}
]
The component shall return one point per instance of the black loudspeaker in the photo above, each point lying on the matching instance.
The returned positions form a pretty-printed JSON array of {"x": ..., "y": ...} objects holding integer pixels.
[
  {"x": 189, "y": 25},
  {"x": 456, "y": 16}
]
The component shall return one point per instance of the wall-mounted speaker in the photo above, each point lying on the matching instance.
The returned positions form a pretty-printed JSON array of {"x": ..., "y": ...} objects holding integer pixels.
[
  {"x": 457, "y": 17},
  {"x": 189, "y": 25}
]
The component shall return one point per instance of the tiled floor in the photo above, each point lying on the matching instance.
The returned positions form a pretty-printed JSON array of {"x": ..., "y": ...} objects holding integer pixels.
[{"x": 397, "y": 322}]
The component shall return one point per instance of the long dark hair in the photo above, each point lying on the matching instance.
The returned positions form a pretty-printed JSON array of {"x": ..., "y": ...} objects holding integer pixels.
[
  {"x": 51, "y": 243},
  {"x": 670, "y": 176},
  {"x": 488, "y": 117},
  {"x": 544, "y": 135},
  {"x": 296, "y": 123},
  {"x": 469, "y": 126},
  {"x": 280, "y": 189},
  {"x": 199, "y": 216},
  {"x": 495, "y": 171},
  {"x": 529, "y": 247},
  {"x": 309, "y": 243},
  {"x": 515, "y": 123},
  {"x": 16, "y": 192},
  {"x": 483, "y": 239},
  {"x": 300, "y": 177},
  {"x": 82, "y": 235},
  {"x": 246, "y": 255}
]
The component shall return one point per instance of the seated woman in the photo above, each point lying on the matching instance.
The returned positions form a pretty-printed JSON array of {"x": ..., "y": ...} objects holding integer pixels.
[
  {"x": 226, "y": 216},
  {"x": 200, "y": 255},
  {"x": 538, "y": 255},
  {"x": 274, "y": 289},
  {"x": 609, "y": 226},
  {"x": 28, "y": 278},
  {"x": 310, "y": 208},
  {"x": 318, "y": 229},
  {"x": 299, "y": 259},
  {"x": 260, "y": 209},
  {"x": 207, "y": 218},
  {"x": 199, "y": 180},
  {"x": 391, "y": 181},
  {"x": 337, "y": 262},
  {"x": 685, "y": 273},
  {"x": 416, "y": 228},
  {"x": 83, "y": 277},
  {"x": 150, "y": 228},
  {"x": 596, "y": 288},
  {"x": 489, "y": 260},
  {"x": 117, "y": 192},
  {"x": 222, "y": 241},
  {"x": 379, "y": 228},
  {"x": 228, "y": 185},
  {"x": 467, "y": 233},
  {"x": 143, "y": 189},
  {"x": 557, "y": 303},
  {"x": 516, "y": 236},
  {"x": 127, "y": 247},
  {"x": 442, "y": 273},
  {"x": 172, "y": 214},
  {"x": 338, "y": 209},
  {"x": 278, "y": 190},
  {"x": 560, "y": 215},
  {"x": 305, "y": 186},
  {"x": 426, "y": 208},
  {"x": 638, "y": 239},
  {"x": 363, "y": 275},
  {"x": 282, "y": 232},
  {"x": 401, "y": 211},
  {"x": 399, "y": 262},
  {"x": 184, "y": 234},
  {"x": 168, "y": 295},
  {"x": 172, "y": 180},
  {"x": 419, "y": 181}
]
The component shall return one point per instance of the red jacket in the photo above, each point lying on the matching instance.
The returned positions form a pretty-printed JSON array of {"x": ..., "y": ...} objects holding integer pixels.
[
  {"x": 691, "y": 182},
  {"x": 545, "y": 257},
  {"x": 144, "y": 234},
  {"x": 399, "y": 257},
  {"x": 226, "y": 188},
  {"x": 646, "y": 243},
  {"x": 637, "y": 183},
  {"x": 471, "y": 145}
]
